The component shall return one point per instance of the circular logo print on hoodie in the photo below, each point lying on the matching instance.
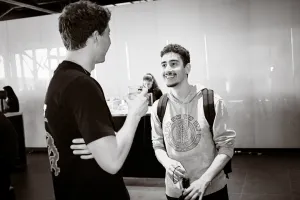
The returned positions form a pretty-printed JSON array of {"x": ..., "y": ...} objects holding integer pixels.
[{"x": 183, "y": 133}]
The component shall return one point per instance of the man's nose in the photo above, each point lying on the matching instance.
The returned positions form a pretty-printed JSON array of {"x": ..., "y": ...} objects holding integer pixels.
[{"x": 168, "y": 69}]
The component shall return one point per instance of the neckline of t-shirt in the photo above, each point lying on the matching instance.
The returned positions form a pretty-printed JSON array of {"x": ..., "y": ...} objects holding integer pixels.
[{"x": 74, "y": 66}]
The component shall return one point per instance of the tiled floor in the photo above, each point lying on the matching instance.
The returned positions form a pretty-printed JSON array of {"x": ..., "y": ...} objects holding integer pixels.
[{"x": 265, "y": 177}]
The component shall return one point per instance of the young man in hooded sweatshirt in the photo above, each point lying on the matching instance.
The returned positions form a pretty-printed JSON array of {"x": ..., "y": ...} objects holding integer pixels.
[{"x": 183, "y": 143}]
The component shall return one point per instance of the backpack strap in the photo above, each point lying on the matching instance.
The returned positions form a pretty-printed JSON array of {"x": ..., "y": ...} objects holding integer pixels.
[
  {"x": 161, "y": 107},
  {"x": 209, "y": 107}
]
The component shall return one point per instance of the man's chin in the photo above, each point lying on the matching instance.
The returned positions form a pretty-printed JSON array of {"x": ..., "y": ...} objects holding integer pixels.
[
  {"x": 100, "y": 61},
  {"x": 171, "y": 84}
]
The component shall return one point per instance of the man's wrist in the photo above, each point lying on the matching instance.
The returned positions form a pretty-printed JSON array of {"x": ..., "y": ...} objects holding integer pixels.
[
  {"x": 206, "y": 179},
  {"x": 166, "y": 162},
  {"x": 133, "y": 117}
]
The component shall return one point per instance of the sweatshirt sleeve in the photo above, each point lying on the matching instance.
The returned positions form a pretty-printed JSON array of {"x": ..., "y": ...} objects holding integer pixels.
[
  {"x": 157, "y": 133},
  {"x": 223, "y": 138}
]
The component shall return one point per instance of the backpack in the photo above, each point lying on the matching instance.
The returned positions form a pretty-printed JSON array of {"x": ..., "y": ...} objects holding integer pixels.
[{"x": 209, "y": 112}]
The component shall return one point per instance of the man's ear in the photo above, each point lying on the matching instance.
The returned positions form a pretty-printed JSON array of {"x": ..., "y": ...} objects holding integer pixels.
[
  {"x": 187, "y": 68},
  {"x": 95, "y": 36}
]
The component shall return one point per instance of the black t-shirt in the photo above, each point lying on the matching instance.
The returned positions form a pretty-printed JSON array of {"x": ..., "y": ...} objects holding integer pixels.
[{"x": 75, "y": 107}]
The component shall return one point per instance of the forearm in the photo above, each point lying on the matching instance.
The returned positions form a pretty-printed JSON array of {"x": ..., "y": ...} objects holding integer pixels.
[
  {"x": 124, "y": 138},
  {"x": 162, "y": 157},
  {"x": 217, "y": 165}
]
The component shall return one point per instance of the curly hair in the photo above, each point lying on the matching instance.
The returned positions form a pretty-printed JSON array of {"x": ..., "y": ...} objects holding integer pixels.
[
  {"x": 150, "y": 77},
  {"x": 176, "y": 48},
  {"x": 79, "y": 20}
]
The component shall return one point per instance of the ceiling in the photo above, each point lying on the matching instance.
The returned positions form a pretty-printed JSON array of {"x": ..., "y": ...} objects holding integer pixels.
[{"x": 16, "y": 9}]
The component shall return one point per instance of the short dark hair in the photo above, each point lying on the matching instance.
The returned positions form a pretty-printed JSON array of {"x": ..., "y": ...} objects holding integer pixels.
[
  {"x": 79, "y": 20},
  {"x": 176, "y": 48}
]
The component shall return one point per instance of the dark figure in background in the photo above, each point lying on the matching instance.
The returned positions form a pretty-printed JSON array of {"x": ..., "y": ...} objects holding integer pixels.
[
  {"x": 8, "y": 153},
  {"x": 12, "y": 100},
  {"x": 150, "y": 82}
]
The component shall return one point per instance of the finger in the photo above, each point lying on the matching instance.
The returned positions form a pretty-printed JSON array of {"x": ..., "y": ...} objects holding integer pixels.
[
  {"x": 78, "y": 140},
  {"x": 178, "y": 174},
  {"x": 174, "y": 170},
  {"x": 144, "y": 91},
  {"x": 81, "y": 152},
  {"x": 171, "y": 169},
  {"x": 190, "y": 195},
  {"x": 174, "y": 166},
  {"x": 79, "y": 146},
  {"x": 86, "y": 157},
  {"x": 201, "y": 196},
  {"x": 174, "y": 178},
  {"x": 187, "y": 191},
  {"x": 181, "y": 170},
  {"x": 194, "y": 197},
  {"x": 173, "y": 173}
]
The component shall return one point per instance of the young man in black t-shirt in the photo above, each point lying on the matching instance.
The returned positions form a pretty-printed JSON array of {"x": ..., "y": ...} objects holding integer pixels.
[{"x": 75, "y": 107}]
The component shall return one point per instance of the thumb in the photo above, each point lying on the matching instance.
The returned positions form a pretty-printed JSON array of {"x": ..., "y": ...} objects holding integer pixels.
[
  {"x": 144, "y": 91},
  {"x": 181, "y": 168},
  {"x": 179, "y": 164},
  {"x": 126, "y": 99}
]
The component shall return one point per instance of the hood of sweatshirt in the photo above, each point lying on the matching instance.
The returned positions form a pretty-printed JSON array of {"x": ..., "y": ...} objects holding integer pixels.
[{"x": 194, "y": 92}]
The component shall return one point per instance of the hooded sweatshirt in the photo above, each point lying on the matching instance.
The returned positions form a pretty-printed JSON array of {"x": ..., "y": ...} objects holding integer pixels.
[{"x": 188, "y": 139}]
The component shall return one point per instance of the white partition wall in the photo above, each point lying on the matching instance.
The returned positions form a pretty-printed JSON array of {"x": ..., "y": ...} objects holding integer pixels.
[{"x": 247, "y": 50}]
